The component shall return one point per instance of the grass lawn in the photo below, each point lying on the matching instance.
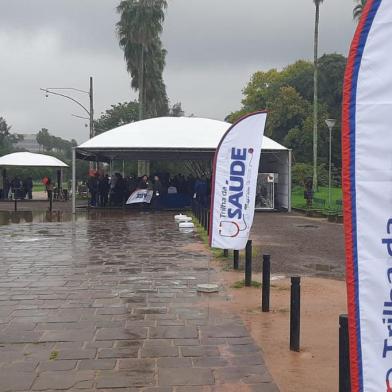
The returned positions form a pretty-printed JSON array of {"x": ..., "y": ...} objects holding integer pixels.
[
  {"x": 38, "y": 187},
  {"x": 298, "y": 201}
]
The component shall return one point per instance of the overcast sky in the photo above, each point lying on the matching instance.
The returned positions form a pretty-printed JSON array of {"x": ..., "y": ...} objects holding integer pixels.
[{"x": 213, "y": 48}]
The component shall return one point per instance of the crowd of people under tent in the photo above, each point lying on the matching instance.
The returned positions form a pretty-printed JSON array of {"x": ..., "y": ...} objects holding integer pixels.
[
  {"x": 16, "y": 188},
  {"x": 114, "y": 191},
  {"x": 22, "y": 189}
]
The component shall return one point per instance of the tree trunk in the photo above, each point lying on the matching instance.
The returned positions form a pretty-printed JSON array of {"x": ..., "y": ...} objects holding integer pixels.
[
  {"x": 315, "y": 98},
  {"x": 141, "y": 165},
  {"x": 141, "y": 84}
]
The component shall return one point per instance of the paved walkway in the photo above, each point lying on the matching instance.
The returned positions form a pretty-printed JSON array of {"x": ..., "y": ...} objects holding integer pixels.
[{"x": 110, "y": 304}]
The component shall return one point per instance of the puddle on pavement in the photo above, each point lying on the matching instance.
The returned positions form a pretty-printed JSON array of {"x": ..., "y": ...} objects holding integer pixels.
[
  {"x": 308, "y": 226},
  {"x": 321, "y": 267},
  {"x": 16, "y": 217}
]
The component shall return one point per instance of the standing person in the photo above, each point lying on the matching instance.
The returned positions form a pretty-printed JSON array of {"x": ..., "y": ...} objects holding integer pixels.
[
  {"x": 157, "y": 193},
  {"x": 143, "y": 183},
  {"x": 7, "y": 187},
  {"x": 103, "y": 190},
  {"x": 92, "y": 185},
  {"x": 308, "y": 191},
  {"x": 16, "y": 187},
  {"x": 119, "y": 190},
  {"x": 49, "y": 188},
  {"x": 28, "y": 188}
]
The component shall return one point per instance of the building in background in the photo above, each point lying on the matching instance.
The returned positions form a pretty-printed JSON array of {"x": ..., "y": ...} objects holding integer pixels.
[{"x": 28, "y": 142}]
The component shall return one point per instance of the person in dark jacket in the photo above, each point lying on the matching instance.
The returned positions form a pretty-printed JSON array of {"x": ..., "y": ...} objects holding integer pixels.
[
  {"x": 92, "y": 185},
  {"x": 143, "y": 183},
  {"x": 103, "y": 190},
  {"x": 28, "y": 187},
  {"x": 157, "y": 189}
]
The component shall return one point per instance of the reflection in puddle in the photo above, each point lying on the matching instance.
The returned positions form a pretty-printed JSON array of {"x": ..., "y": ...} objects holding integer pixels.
[{"x": 11, "y": 217}]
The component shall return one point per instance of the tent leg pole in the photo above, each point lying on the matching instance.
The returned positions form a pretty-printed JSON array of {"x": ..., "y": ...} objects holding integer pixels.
[{"x": 73, "y": 181}]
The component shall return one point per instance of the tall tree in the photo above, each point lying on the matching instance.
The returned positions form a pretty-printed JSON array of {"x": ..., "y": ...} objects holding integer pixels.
[
  {"x": 138, "y": 29},
  {"x": 357, "y": 12},
  {"x": 315, "y": 92},
  {"x": 4, "y": 131}
]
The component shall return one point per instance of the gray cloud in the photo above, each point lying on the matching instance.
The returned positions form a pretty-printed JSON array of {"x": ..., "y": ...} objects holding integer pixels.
[{"x": 213, "y": 48}]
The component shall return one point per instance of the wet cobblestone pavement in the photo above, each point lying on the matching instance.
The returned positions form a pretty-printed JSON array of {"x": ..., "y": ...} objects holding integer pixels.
[{"x": 108, "y": 303}]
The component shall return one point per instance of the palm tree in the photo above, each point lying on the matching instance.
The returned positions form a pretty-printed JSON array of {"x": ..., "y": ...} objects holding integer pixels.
[
  {"x": 315, "y": 93},
  {"x": 357, "y": 12},
  {"x": 138, "y": 29}
]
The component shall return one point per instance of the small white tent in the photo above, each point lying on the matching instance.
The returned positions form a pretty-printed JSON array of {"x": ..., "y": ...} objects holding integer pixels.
[{"x": 28, "y": 159}]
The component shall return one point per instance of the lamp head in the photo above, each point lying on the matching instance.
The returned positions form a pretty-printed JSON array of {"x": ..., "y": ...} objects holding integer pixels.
[{"x": 330, "y": 122}]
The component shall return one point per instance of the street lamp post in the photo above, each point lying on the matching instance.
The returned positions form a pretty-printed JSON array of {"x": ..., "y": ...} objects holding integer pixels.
[
  {"x": 330, "y": 124},
  {"x": 90, "y": 112}
]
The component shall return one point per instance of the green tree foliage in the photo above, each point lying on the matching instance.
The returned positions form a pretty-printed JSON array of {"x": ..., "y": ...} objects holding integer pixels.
[
  {"x": 176, "y": 110},
  {"x": 357, "y": 11},
  {"x": 139, "y": 30},
  {"x": 125, "y": 113},
  {"x": 4, "y": 131},
  {"x": 331, "y": 76},
  {"x": 117, "y": 115},
  {"x": 288, "y": 97},
  {"x": 52, "y": 143}
]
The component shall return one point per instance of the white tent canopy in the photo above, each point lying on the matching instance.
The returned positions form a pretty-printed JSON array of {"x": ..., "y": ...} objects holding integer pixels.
[
  {"x": 28, "y": 159},
  {"x": 183, "y": 137}
]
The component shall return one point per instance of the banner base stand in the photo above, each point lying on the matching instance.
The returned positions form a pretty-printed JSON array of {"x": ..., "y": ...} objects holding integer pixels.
[{"x": 208, "y": 288}]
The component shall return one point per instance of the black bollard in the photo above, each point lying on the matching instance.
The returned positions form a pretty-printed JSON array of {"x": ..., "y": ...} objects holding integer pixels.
[
  {"x": 225, "y": 252},
  {"x": 236, "y": 259},
  {"x": 295, "y": 313},
  {"x": 265, "y": 297},
  {"x": 15, "y": 204},
  {"x": 205, "y": 219},
  {"x": 208, "y": 221},
  {"x": 344, "y": 355},
  {"x": 248, "y": 264},
  {"x": 51, "y": 203}
]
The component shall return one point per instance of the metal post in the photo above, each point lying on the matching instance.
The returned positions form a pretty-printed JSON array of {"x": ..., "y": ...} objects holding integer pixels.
[
  {"x": 91, "y": 95},
  {"x": 51, "y": 202},
  {"x": 4, "y": 196},
  {"x": 290, "y": 181},
  {"x": 344, "y": 355},
  {"x": 248, "y": 264},
  {"x": 295, "y": 313},
  {"x": 208, "y": 221},
  {"x": 15, "y": 204},
  {"x": 58, "y": 182},
  {"x": 265, "y": 297},
  {"x": 330, "y": 166},
  {"x": 74, "y": 180},
  {"x": 236, "y": 259},
  {"x": 205, "y": 219}
]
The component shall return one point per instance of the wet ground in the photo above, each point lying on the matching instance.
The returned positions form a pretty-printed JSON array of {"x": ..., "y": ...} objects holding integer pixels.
[
  {"x": 300, "y": 245},
  {"x": 108, "y": 301}
]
